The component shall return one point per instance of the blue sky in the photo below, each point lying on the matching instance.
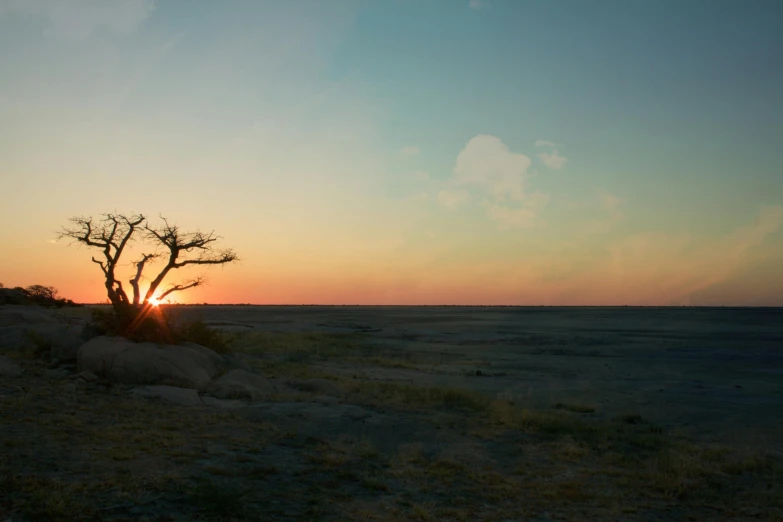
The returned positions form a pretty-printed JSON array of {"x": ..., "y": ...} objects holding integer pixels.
[{"x": 514, "y": 152}]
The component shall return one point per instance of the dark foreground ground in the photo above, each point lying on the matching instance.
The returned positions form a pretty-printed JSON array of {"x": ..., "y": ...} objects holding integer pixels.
[{"x": 407, "y": 413}]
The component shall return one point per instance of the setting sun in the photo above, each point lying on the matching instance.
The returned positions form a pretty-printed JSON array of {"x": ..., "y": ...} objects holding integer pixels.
[{"x": 154, "y": 301}]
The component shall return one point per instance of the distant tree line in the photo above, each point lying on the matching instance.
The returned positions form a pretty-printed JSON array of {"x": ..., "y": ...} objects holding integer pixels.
[{"x": 41, "y": 295}]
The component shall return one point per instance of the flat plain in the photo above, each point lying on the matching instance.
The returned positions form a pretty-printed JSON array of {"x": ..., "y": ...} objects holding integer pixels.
[
  {"x": 718, "y": 371},
  {"x": 426, "y": 413}
]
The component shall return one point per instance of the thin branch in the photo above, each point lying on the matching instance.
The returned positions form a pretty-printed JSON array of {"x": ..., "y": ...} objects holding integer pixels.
[{"x": 177, "y": 288}]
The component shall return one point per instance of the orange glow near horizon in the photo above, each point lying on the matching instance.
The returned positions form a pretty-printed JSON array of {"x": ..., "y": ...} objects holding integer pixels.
[{"x": 649, "y": 269}]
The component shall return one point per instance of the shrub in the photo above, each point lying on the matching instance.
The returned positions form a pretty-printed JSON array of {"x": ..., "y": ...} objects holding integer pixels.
[
  {"x": 153, "y": 325},
  {"x": 198, "y": 332}
]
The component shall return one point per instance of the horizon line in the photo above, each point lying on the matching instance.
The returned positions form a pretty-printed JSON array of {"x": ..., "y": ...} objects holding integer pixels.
[{"x": 452, "y": 305}]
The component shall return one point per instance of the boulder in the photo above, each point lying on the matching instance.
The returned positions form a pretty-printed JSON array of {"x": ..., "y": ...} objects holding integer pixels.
[
  {"x": 8, "y": 367},
  {"x": 58, "y": 341},
  {"x": 88, "y": 376},
  {"x": 120, "y": 360},
  {"x": 213, "y": 402},
  {"x": 15, "y": 315},
  {"x": 241, "y": 384},
  {"x": 181, "y": 396}
]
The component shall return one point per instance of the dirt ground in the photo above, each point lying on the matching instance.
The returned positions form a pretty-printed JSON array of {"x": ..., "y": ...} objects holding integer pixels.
[
  {"x": 398, "y": 413},
  {"x": 718, "y": 371}
]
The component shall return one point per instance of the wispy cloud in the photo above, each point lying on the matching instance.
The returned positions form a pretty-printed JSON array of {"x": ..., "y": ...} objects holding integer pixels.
[
  {"x": 525, "y": 216},
  {"x": 451, "y": 198},
  {"x": 609, "y": 201},
  {"x": 609, "y": 211},
  {"x": 78, "y": 19},
  {"x": 655, "y": 268},
  {"x": 479, "y": 4},
  {"x": 409, "y": 152},
  {"x": 552, "y": 158}
]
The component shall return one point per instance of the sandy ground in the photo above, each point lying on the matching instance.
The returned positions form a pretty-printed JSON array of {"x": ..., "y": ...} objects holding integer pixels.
[{"x": 715, "y": 372}]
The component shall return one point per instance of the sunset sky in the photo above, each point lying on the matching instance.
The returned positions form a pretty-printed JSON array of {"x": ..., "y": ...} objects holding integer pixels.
[{"x": 543, "y": 152}]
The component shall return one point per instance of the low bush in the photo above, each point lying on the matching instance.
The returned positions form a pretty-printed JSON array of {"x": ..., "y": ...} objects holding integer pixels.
[{"x": 152, "y": 324}]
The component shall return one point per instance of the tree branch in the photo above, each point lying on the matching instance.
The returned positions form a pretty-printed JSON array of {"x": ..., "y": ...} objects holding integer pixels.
[
  {"x": 177, "y": 288},
  {"x": 135, "y": 281}
]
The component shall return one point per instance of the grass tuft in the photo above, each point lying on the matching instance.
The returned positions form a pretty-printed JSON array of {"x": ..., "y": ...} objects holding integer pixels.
[{"x": 576, "y": 408}]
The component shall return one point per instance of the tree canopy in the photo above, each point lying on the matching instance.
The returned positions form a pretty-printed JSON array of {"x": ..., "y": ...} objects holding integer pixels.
[{"x": 112, "y": 235}]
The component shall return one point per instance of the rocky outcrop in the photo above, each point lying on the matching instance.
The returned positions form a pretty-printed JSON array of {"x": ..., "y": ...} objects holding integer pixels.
[
  {"x": 55, "y": 341},
  {"x": 14, "y": 315},
  {"x": 181, "y": 396},
  {"x": 241, "y": 384},
  {"x": 120, "y": 360},
  {"x": 43, "y": 332}
]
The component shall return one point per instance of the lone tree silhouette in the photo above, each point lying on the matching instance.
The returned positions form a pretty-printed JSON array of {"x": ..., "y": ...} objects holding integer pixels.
[{"x": 112, "y": 233}]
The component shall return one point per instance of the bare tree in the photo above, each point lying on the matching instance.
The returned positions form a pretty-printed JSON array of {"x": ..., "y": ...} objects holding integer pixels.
[
  {"x": 183, "y": 249},
  {"x": 113, "y": 232}
]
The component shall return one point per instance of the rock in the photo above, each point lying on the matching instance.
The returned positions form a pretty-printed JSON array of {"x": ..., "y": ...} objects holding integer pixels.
[
  {"x": 318, "y": 386},
  {"x": 213, "y": 402},
  {"x": 241, "y": 384},
  {"x": 237, "y": 361},
  {"x": 120, "y": 360},
  {"x": 325, "y": 400},
  {"x": 87, "y": 376},
  {"x": 181, "y": 396},
  {"x": 8, "y": 367},
  {"x": 59, "y": 341},
  {"x": 56, "y": 373},
  {"x": 16, "y": 315}
]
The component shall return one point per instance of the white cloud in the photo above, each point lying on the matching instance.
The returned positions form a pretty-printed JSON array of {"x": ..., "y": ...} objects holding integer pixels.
[
  {"x": 488, "y": 164},
  {"x": 409, "y": 152},
  {"x": 551, "y": 159},
  {"x": 479, "y": 4},
  {"x": 78, "y": 19},
  {"x": 487, "y": 167},
  {"x": 451, "y": 198}
]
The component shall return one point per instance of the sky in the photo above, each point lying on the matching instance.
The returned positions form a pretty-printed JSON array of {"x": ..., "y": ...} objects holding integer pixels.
[{"x": 492, "y": 152}]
